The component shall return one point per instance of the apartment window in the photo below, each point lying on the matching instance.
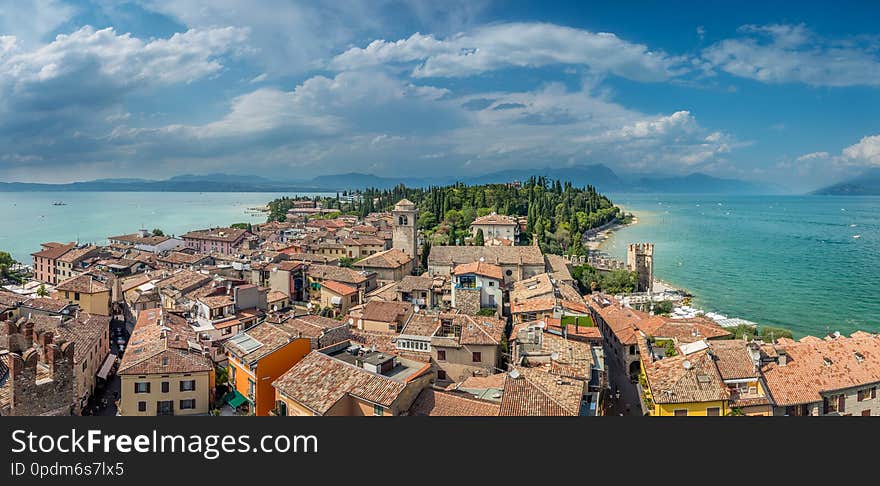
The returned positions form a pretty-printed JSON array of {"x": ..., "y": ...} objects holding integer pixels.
[
  {"x": 142, "y": 406},
  {"x": 477, "y": 357},
  {"x": 251, "y": 387},
  {"x": 76, "y": 296},
  {"x": 142, "y": 387},
  {"x": 866, "y": 413},
  {"x": 713, "y": 412},
  {"x": 66, "y": 295},
  {"x": 862, "y": 395},
  {"x": 232, "y": 375},
  {"x": 441, "y": 375},
  {"x": 874, "y": 392},
  {"x": 378, "y": 410},
  {"x": 166, "y": 387},
  {"x": 441, "y": 355},
  {"x": 681, "y": 413},
  {"x": 189, "y": 385},
  {"x": 188, "y": 404}
]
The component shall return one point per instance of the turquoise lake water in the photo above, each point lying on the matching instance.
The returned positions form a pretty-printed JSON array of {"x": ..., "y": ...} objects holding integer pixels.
[
  {"x": 788, "y": 261},
  {"x": 29, "y": 218}
]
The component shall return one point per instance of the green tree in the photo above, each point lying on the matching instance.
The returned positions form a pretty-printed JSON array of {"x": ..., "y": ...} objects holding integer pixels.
[
  {"x": 663, "y": 308},
  {"x": 6, "y": 263},
  {"x": 158, "y": 232},
  {"x": 479, "y": 240},
  {"x": 41, "y": 291}
]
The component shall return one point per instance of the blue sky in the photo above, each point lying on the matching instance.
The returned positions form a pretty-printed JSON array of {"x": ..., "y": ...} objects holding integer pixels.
[{"x": 152, "y": 88}]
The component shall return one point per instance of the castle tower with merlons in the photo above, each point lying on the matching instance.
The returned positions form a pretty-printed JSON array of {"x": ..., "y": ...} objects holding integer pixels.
[{"x": 640, "y": 259}]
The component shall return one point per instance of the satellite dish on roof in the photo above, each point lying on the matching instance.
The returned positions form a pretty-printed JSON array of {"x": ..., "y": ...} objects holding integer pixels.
[
  {"x": 416, "y": 309},
  {"x": 350, "y": 321},
  {"x": 554, "y": 355},
  {"x": 687, "y": 364},
  {"x": 514, "y": 373},
  {"x": 482, "y": 259}
]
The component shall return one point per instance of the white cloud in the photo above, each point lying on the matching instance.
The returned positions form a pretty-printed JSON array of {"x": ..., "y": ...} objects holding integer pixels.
[
  {"x": 30, "y": 21},
  {"x": 516, "y": 45},
  {"x": 793, "y": 54},
  {"x": 865, "y": 152},
  {"x": 814, "y": 156},
  {"x": 294, "y": 36}
]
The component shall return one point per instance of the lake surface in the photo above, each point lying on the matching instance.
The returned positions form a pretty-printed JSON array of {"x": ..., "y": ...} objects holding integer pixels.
[
  {"x": 29, "y": 218},
  {"x": 788, "y": 261}
]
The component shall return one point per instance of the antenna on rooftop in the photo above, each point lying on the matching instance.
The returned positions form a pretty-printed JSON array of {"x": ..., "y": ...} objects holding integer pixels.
[{"x": 514, "y": 373}]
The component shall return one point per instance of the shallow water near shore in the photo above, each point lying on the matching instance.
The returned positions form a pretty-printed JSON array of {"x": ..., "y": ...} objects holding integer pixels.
[{"x": 790, "y": 261}]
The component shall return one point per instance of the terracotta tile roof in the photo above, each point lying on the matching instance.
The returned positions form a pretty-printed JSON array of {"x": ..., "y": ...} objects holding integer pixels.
[
  {"x": 184, "y": 281},
  {"x": 228, "y": 235},
  {"x": 683, "y": 378},
  {"x": 497, "y": 255},
  {"x": 46, "y": 304},
  {"x": 268, "y": 336},
  {"x": 386, "y": 293},
  {"x": 386, "y": 311},
  {"x": 436, "y": 403},
  {"x": 392, "y": 258},
  {"x": 683, "y": 330},
  {"x": 134, "y": 281},
  {"x": 53, "y": 251},
  {"x": 421, "y": 325},
  {"x": 339, "y": 274},
  {"x": 816, "y": 366},
  {"x": 382, "y": 341},
  {"x": 217, "y": 301},
  {"x": 478, "y": 330},
  {"x": 181, "y": 258},
  {"x": 9, "y": 300},
  {"x": 538, "y": 393},
  {"x": 479, "y": 268},
  {"x": 77, "y": 254},
  {"x": 733, "y": 359},
  {"x": 413, "y": 282},
  {"x": 559, "y": 267},
  {"x": 86, "y": 330},
  {"x": 484, "y": 382},
  {"x": 310, "y": 326},
  {"x": 495, "y": 219},
  {"x": 574, "y": 358},
  {"x": 338, "y": 287},
  {"x": 319, "y": 381},
  {"x": 536, "y": 304},
  {"x": 138, "y": 239},
  {"x": 275, "y": 296},
  {"x": 160, "y": 343},
  {"x": 538, "y": 286},
  {"x": 86, "y": 284}
]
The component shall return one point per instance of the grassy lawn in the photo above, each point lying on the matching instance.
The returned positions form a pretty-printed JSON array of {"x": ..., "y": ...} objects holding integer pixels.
[{"x": 580, "y": 321}]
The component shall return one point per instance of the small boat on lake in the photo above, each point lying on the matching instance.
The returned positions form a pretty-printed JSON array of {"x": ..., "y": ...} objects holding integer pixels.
[{"x": 59, "y": 203}]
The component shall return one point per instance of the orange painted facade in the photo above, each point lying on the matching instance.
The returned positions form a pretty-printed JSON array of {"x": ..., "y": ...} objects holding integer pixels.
[{"x": 266, "y": 370}]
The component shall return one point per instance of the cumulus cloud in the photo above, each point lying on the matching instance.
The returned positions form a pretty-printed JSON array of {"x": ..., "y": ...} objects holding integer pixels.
[
  {"x": 866, "y": 151},
  {"x": 529, "y": 45},
  {"x": 793, "y": 54}
]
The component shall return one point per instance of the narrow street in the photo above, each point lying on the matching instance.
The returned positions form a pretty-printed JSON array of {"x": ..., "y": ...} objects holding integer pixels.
[
  {"x": 628, "y": 402},
  {"x": 103, "y": 402}
]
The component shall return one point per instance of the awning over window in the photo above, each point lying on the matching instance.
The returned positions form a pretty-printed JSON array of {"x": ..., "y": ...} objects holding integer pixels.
[
  {"x": 234, "y": 399},
  {"x": 107, "y": 366}
]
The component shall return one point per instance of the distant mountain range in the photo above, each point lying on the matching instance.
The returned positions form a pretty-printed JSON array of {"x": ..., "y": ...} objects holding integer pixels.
[
  {"x": 598, "y": 175},
  {"x": 866, "y": 184}
]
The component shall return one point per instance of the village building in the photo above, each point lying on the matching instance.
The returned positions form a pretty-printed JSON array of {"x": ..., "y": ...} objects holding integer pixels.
[
  {"x": 45, "y": 261},
  {"x": 338, "y": 297},
  {"x": 320, "y": 331},
  {"x": 516, "y": 262},
  {"x": 423, "y": 291},
  {"x": 438, "y": 403},
  {"x": 477, "y": 286},
  {"x": 382, "y": 316},
  {"x": 346, "y": 379},
  {"x": 164, "y": 370},
  {"x": 496, "y": 226},
  {"x": 86, "y": 291},
  {"x": 543, "y": 297},
  {"x": 389, "y": 265},
  {"x": 216, "y": 240},
  {"x": 463, "y": 346},
  {"x": 256, "y": 358},
  {"x": 70, "y": 264},
  {"x": 144, "y": 240},
  {"x": 838, "y": 375},
  {"x": 46, "y": 306}
]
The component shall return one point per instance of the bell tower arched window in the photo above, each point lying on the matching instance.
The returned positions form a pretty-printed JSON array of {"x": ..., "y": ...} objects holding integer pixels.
[{"x": 402, "y": 220}]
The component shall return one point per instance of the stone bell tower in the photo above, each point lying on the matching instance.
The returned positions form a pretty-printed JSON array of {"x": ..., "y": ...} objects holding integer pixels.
[
  {"x": 640, "y": 259},
  {"x": 404, "y": 232}
]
